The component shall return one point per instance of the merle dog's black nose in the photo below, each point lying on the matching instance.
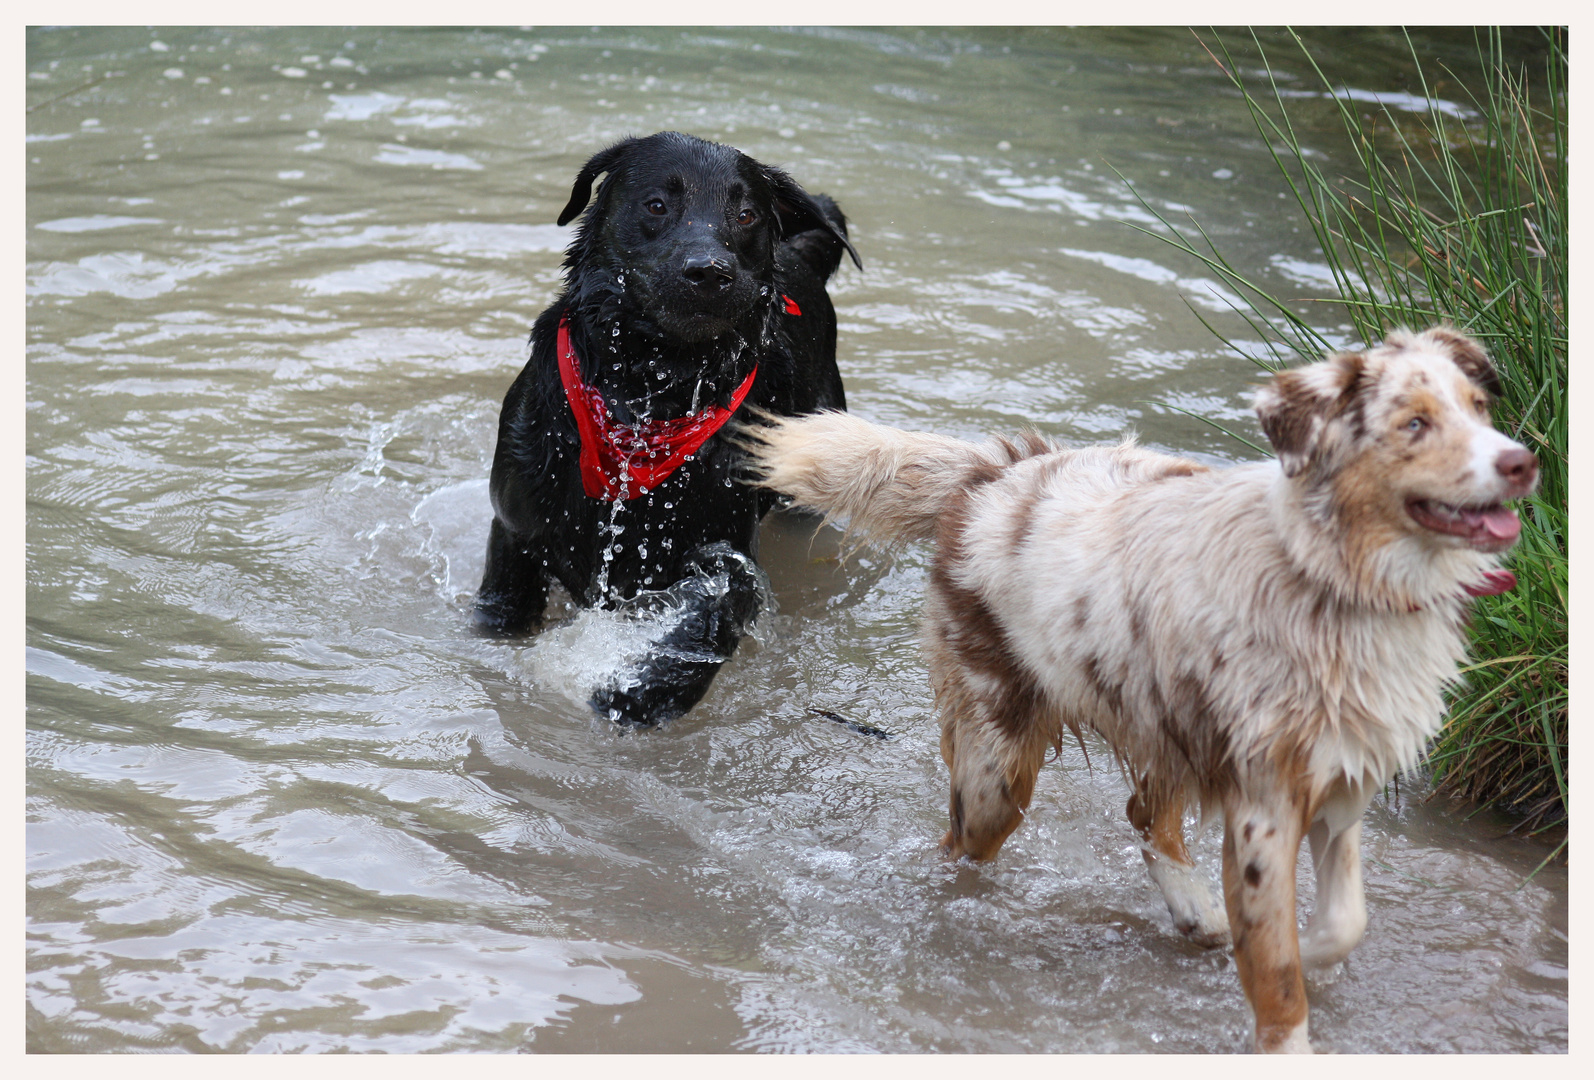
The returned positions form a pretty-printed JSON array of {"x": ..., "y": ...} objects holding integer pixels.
[{"x": 707, "y": 272}]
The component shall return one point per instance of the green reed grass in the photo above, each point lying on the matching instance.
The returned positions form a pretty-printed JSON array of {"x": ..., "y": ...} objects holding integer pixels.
[{"x": 1439, "y": 219}]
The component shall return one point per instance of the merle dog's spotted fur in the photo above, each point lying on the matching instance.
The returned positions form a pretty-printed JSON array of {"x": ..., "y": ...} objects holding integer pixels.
[{"x": 674, "y": 288}]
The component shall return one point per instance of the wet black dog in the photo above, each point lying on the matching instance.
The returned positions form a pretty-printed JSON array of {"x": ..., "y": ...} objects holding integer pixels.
[{"x": 694, "y": 286}]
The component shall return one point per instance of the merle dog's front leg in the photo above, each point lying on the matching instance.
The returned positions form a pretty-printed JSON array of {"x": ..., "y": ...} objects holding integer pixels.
[
  {"x": 707, "y": 611},
  {"x": 514, "y": 587}
]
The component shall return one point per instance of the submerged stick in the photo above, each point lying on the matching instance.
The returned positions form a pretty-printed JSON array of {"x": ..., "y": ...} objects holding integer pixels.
[{"x": 860, "y": 728}]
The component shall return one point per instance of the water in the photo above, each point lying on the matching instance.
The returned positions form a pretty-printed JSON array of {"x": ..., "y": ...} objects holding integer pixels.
[{"x": 280, "y": 798}]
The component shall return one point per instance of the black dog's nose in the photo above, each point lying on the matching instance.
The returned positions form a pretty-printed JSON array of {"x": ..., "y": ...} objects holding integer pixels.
[{"x": 706, "y": 271}]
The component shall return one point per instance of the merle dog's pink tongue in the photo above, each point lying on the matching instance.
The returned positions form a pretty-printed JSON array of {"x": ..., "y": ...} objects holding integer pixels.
[{"x": 1498, "y": 522}]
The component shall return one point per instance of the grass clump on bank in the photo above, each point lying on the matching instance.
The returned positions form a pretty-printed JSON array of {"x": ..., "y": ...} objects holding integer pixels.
[{"x": 1460, "y": 219}]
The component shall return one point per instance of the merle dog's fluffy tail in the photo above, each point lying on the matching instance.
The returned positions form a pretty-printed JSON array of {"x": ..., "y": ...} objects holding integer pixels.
[
  {"x": 820, "y": 248},
  {"x": 888, "y": 485}
]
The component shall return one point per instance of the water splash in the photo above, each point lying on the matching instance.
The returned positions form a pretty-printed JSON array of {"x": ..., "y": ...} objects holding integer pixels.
[{"x": 610, "y": 535}]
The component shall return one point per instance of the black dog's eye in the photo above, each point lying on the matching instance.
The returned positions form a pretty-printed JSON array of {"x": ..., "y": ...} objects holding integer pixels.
[
  {"x": 655, "y": 207},
  {"x": 747, "y": 217}
]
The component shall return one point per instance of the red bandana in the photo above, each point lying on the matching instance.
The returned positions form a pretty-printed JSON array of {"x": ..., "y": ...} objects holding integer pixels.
[
  {"x": 620, "y": 461},
  {"x": 1494, "y": 583}
]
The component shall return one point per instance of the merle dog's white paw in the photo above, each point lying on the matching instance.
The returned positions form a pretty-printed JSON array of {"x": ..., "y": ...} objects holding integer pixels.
[{"x": 1193, "y": 901}]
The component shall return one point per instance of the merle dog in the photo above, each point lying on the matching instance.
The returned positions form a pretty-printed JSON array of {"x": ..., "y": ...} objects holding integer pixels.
[{"x": 695, "y": 285}]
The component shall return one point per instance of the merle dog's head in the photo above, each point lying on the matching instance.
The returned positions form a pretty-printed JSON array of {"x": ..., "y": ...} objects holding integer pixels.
[{"x": 681, "y": 237}]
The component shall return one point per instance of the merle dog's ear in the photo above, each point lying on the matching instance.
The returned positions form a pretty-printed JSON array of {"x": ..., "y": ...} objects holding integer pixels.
[
  {"x": 599, "y": 163},
  {"x": 1468, "y": 355},
  {"x": 1300, "y": 410},
  {"x": 798, "y": 211}
]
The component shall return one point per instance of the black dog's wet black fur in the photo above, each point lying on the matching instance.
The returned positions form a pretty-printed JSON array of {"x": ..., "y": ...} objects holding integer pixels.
[{"x": 672, "y": 296}]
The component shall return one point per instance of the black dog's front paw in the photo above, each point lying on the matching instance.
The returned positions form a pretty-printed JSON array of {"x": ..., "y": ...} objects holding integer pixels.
[
  {"x": 664, "y": 696},
  {"x": 703, "y": 617},
  {"x": 514, "y": 587}
]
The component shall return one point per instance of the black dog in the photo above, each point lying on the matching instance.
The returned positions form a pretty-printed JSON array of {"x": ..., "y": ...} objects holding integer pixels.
[{"x": 695, "y": 285}]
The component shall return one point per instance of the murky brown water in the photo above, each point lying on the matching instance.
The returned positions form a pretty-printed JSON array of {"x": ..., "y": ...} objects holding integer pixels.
[{"x": 279, "y": 797}]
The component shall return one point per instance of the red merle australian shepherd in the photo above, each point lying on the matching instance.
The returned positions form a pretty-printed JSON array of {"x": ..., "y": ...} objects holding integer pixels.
[{"x": 1268, "y": 641}]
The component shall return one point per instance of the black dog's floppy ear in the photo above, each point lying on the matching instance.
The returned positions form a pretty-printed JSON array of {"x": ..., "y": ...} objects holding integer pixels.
[
  {"x": 1298, "y": 407},
  {"x": 601, "y": 162},
  {"x": 798, "y": 211}
]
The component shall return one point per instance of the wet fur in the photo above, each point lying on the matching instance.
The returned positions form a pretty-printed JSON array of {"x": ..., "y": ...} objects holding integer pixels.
[
  {"x": 1269, "y": 642},
  {"x": 672, "y": 298}
]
